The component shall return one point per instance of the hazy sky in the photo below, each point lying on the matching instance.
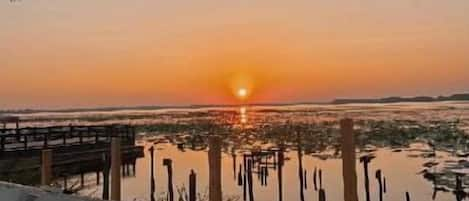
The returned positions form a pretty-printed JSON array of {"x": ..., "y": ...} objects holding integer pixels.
[{"x": 87, "y": 53}]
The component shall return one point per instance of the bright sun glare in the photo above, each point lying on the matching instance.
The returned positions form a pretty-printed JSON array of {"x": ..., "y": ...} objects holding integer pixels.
[{"x": 242, "y": 92}]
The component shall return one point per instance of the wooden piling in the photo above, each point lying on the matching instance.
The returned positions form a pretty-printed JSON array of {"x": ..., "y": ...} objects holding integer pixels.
[
  {"x": 115, "y": 169},
  {"x": 407, "y": 196},
  {"x": 214, "y": 157},
  {"x": 46, "y": 167},
  {"x": 322, "y": 195},
  {"x": 106, "y": 169},
  {"x": 349, "y": 160},
  {"x": 169, "y": 164},
  {"x": 250, "y": 180},
  {"x": 315, "y": 178},
  {"x": 192, "y": 186},
  {"x": 280, "y": 163}
]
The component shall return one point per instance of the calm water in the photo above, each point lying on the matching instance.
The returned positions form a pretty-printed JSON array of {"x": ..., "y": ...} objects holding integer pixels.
[{"x": 419, "y": 148}]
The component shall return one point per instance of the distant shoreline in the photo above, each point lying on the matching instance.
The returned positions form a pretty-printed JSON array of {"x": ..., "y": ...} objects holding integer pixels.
[{"x": 417, "y": 99}]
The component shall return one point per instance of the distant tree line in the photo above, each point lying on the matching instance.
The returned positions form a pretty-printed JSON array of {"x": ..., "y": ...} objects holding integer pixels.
[{"x": 454, "y": 97}]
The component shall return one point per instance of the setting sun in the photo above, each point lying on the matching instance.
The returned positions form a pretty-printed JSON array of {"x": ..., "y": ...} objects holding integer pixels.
[{"x": 242, "y": 93}]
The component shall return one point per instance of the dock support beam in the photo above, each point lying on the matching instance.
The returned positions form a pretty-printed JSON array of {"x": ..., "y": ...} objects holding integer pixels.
[
  {"x": 46, "y": 167},
  {"x": 115, "y": 169}
]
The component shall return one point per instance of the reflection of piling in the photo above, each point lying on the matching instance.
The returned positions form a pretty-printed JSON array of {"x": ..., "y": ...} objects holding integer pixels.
[
  {"x": 348, "y": 160},
  {"x": 380, "y": 184},
  {"x": 105, "y": 176},
  {"x": 169, "y": 165},
  {"x": 115, "y": 169},
  {"x": 192, "y": 186},
  {"x": 214, "y": 157},
  {"x": 46, "y": 167}
]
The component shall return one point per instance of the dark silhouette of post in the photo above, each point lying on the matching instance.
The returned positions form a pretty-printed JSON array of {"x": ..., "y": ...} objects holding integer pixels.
[
  {"x": 315, "y": 178},
  {"x": 245, "y": 163},
  {"x": 380, "y": 184},
  {"x": 192, "y": 186},
  {"x": 152, "y": 172},
  {"x": 407, "y": 196},
  {"x": 305, "y": 178},
  {"x": 214, "y": 157},
  {"x": 322, "y": 195},
  {"x": 240, "y": 176},
  {"x": 169, "y": 165},
  {"x": 233, "y": 155},
  {"x": 250, "y": 180},
  {"x": 366, "y": 160},
  {"x": 348, "y": 160},
  {"x": 115, "y": 169},
  {"x": 300, "y": 166},
  {"x": 46, "y": 167},
  {"x": 320, "y": 179},
  {"x": 384, "y": 185},
  {"x": 106, "y": 170},
  {"x": 280, "y": 163}
]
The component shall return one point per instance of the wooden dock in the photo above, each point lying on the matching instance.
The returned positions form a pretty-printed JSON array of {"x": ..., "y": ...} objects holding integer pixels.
[{"x": 37, "y": 138}]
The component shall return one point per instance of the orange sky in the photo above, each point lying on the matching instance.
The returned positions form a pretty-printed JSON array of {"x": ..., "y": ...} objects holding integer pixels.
[{"x": 112, "y": 52}]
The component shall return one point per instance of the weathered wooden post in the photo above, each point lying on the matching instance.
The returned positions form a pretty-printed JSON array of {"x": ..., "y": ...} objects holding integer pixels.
[
  {"x": 300, "y": 165},
  {"x": 348, "y": 160},
  {"x": 192, "y": 186},
  {"x": 169, "y": 164},
  {"x": 25, "y": 141},
  {"x": 2, "y": 142},
  {"x": 82, "y": 180},
  {"x": 46, "y": 136},
  {"x": 106, "y": 176},
  {"x": 115, "y": 169},
  {"x": 46, "y": 167},
  {"x": 280, "y": 163},
  {"x": 98, "y": 178},
  {"x": 214, "y": 158},
  {"x": 322, "y": 195}
]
